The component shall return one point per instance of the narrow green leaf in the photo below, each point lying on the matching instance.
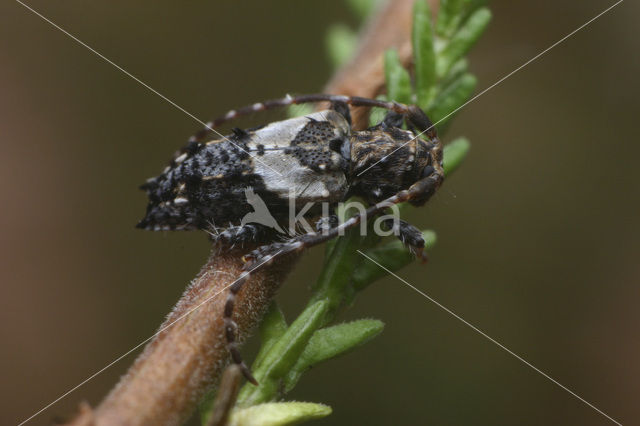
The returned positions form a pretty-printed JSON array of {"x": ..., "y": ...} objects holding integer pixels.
[
  {"x": 454, "y": 12},
  {"x": 423, "y": 52},
  {"x": 463, "y": 40},
  {"x": 454, "y": 153},
  {"x": 272, "y": 328},
  {"x": 452, "y": 98},
  {"x": 397, "y": 78},
  {"x": 330, "y": 342},
  {"x": 341, "y": 42},
  {"x": 278, "y": 414},
  {"x": 283, "y": 355},
  {"x": 459, "y": 68},
  {"x": 449, "y": 17},
  {"x": 393, "y": 256}
]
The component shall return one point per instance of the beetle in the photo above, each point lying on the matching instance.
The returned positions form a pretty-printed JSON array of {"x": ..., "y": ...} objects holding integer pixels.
[{"x": 316, "y": 158}]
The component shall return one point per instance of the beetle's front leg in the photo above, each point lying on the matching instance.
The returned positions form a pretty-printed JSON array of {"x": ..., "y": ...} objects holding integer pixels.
[{"x": 410, "y": 236}]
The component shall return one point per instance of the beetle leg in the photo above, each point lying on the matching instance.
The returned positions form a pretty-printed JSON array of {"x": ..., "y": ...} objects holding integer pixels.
[
  {"x": 261, "y": 256},
  {"x": 410, "y": 236},
  {"x": 421, "y": 122},
  {"x": 325, "y": 223},
  {"x": 393, "y": 119},
  {"x": 240, "y": 235}
]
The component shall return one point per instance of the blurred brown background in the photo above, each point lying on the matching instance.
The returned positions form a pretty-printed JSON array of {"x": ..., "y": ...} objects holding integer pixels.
[{"x": 539, "y": 236}]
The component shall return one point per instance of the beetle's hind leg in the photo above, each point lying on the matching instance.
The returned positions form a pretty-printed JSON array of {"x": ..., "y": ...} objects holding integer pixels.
[{"x": 264, "y": 255}]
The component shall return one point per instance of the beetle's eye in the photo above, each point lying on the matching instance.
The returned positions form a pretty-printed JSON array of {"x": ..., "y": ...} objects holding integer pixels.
[
  {"x": 342, "y": 146},
  {"x": 427, "y": 171},
  {"x": 335, "y": 144}
]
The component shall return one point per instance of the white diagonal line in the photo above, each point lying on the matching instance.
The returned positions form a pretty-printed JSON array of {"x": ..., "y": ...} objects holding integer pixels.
[
  {"x": 206, "y": 125},
  {"x": 499, "y": 81},
  {"x": 141, "y": 343},
  {"x": 491, "y": 339}
]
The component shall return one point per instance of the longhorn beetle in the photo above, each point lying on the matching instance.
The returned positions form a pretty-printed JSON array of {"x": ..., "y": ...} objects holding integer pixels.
[{"x": 317, "y": 157}]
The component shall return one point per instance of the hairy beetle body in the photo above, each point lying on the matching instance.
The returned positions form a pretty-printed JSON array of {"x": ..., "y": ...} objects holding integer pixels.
[
  {"x": 315, "y": 158},
  {"x": 311, "y": 159}
]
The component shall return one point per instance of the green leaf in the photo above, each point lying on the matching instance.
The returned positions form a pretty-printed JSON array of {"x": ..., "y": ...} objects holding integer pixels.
[
  {"x": 282, "y": 356},
  {"x": 456, "y": 70},
  {"x": 454, "y": 153},
  {"x": 341, "y": 42},
  {"x": 330, "y": 342},
  {"x": 423, "y": 53},
  {"x": 272, "y": 328},
  {"x": 393, "y": 256},
  {"x": 449, "y": 16},
  {"x": 397, "y": 78},
  {"x": 463, "y": 40},
  {"x": 278, "y": 414},
  {"x": 452, "y": 13},
  {"x": 452, "y": 98}
]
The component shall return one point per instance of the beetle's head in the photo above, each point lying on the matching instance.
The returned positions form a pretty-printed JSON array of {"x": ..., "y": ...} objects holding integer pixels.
[{"x": 387, "y": 159}]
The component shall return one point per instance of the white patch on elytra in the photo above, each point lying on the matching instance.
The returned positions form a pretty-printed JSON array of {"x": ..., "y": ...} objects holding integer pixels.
[
  {"x": 283, "y": 173},
  {"x": 180, "y": 200}
]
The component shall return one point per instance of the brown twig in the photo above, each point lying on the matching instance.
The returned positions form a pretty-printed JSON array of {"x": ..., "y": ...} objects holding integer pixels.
[{"x": 188, "y": 355}]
